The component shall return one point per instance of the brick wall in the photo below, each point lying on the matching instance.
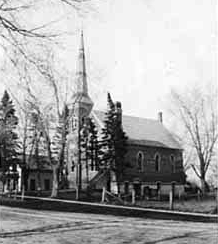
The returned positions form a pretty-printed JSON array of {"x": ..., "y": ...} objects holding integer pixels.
[{"x": 167, "y": 171}]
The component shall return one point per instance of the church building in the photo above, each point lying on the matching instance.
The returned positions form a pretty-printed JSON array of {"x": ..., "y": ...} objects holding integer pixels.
[{"x": 154, "y": 155}]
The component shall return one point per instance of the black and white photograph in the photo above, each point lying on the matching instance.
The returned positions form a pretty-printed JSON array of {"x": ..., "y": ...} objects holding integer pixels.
[{"x": 108, "y": 122}]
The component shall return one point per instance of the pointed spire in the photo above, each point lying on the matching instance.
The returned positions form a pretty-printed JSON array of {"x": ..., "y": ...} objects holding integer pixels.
[
  {"x": 81, "y": 80},
  {"x": 81, "y": 95}
]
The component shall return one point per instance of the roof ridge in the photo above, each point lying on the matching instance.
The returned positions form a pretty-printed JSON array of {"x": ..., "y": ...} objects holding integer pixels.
[
  {"x": 127, "y": 115},
  {"x": 144, "y": 129}
]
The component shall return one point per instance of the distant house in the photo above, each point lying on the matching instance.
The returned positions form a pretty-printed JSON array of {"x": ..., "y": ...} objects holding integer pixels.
[
  {"x": 39, "y": 175},
  {"x": 154, "y": 156}
]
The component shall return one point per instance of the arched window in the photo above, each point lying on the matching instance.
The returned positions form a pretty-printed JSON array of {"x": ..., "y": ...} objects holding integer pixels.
[
  {"x": 140, "y": 159},
  {"x": 83, "y": 120},
  {"x": 74, "y": 122},
  {"x": 172, "y": 161},
  {"x": 72, "y": 166},
  {"x": 157, "y": 162}
]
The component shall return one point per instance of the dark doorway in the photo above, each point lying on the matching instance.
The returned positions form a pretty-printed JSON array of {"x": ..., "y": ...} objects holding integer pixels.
[
  {"x": 108, "y": 184},
  {"x": 47, "y": 184},
  {"x": 126, "y": 187},
  {"x": 32, "y": 184},
  {"x": 147, "y": 191},
  {"x": 137, "y": 188}
]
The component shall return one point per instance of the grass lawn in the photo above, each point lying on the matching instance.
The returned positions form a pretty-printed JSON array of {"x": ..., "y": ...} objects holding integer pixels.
[
  {"x": 207, "y": 206},
  {"x": 193, "y": 205}
]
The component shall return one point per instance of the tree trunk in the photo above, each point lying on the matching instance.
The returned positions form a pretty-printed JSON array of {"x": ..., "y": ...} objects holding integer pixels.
[
  {"x": 203, "y": 185},
  {"x": 202, "y": 174},
  {"x": 54, "y": 192},
  {"x": 87, "y": 172},
  {"x": 118, "y": 187},
  {"x": 118, "y": 182},
  {"x": 3, "y": 187},
  {"x": 109, "y": 181}
]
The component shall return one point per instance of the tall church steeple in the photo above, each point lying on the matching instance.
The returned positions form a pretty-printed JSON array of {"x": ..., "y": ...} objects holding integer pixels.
[
  {"x": 81, "y": 88},
  {"x": 81, "y": 78},
  {"x": 80, "y": 108},
  {"x": 81, "y": 103}
]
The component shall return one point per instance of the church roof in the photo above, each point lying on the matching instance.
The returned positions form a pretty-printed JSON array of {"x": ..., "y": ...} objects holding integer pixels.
[{"x": 142, "y": 131}]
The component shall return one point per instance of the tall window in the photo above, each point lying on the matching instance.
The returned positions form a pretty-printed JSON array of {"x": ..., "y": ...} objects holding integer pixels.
[
  {"x": 72, "y": 166},
  {"x": 74, "y": 122},
  {"x": 173, "y": 166},
  {"x": 157, "y": 162},
  {"x": 140, "y": 158}
]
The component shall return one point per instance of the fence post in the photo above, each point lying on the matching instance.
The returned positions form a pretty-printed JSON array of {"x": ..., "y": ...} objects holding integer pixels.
[
  {"x": 15, "y": 195},
  {"x": 171, "y": 200},
  {"x": 199, "y": 195},
  {"x": 159, "y": 195},
  {"x": 179, "y": 195},
  {"x": 133, "y": 196},
  {"x": 103, "y": 194},
  {"x": 22, "y": 193}
]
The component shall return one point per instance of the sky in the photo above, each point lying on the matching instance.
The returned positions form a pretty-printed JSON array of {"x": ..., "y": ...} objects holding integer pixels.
[{"x": 139, "y": 50}]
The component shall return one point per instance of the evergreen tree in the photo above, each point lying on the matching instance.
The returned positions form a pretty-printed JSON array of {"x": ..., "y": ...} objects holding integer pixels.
[
  {"x": 107, "y": 135},
  {"x": 114, "y": 141},
  {"x": 120, "y": 146},
  {"x": 90, "y": 148},
  {"x": 93, "y": 146},
  {"x": 9, "y": 144}
]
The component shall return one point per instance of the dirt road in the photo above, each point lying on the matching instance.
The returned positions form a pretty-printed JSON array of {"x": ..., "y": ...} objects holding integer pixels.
[{"x": 31, "y": 226}]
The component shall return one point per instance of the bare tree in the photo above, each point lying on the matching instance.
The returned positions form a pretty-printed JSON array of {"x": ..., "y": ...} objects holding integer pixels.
[
  {"x": 12, "y": 12},
  {"x": 49, "y": 111},
  {"x": 27, "y": 49},
  {"x": 196, "y": 112},
  {"x": 51, "y": 76},
  {"x": 21, "y": 34},
  {"x": 214, "y": 175}
]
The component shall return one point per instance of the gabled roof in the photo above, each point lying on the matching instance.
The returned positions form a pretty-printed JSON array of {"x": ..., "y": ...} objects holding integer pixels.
[
  {"x": 43, "y": 163},
  {"x": 141, "y": 131}
]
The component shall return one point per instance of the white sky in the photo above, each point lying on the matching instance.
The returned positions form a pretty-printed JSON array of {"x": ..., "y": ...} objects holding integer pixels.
[{"x": 140, "y": 49}]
